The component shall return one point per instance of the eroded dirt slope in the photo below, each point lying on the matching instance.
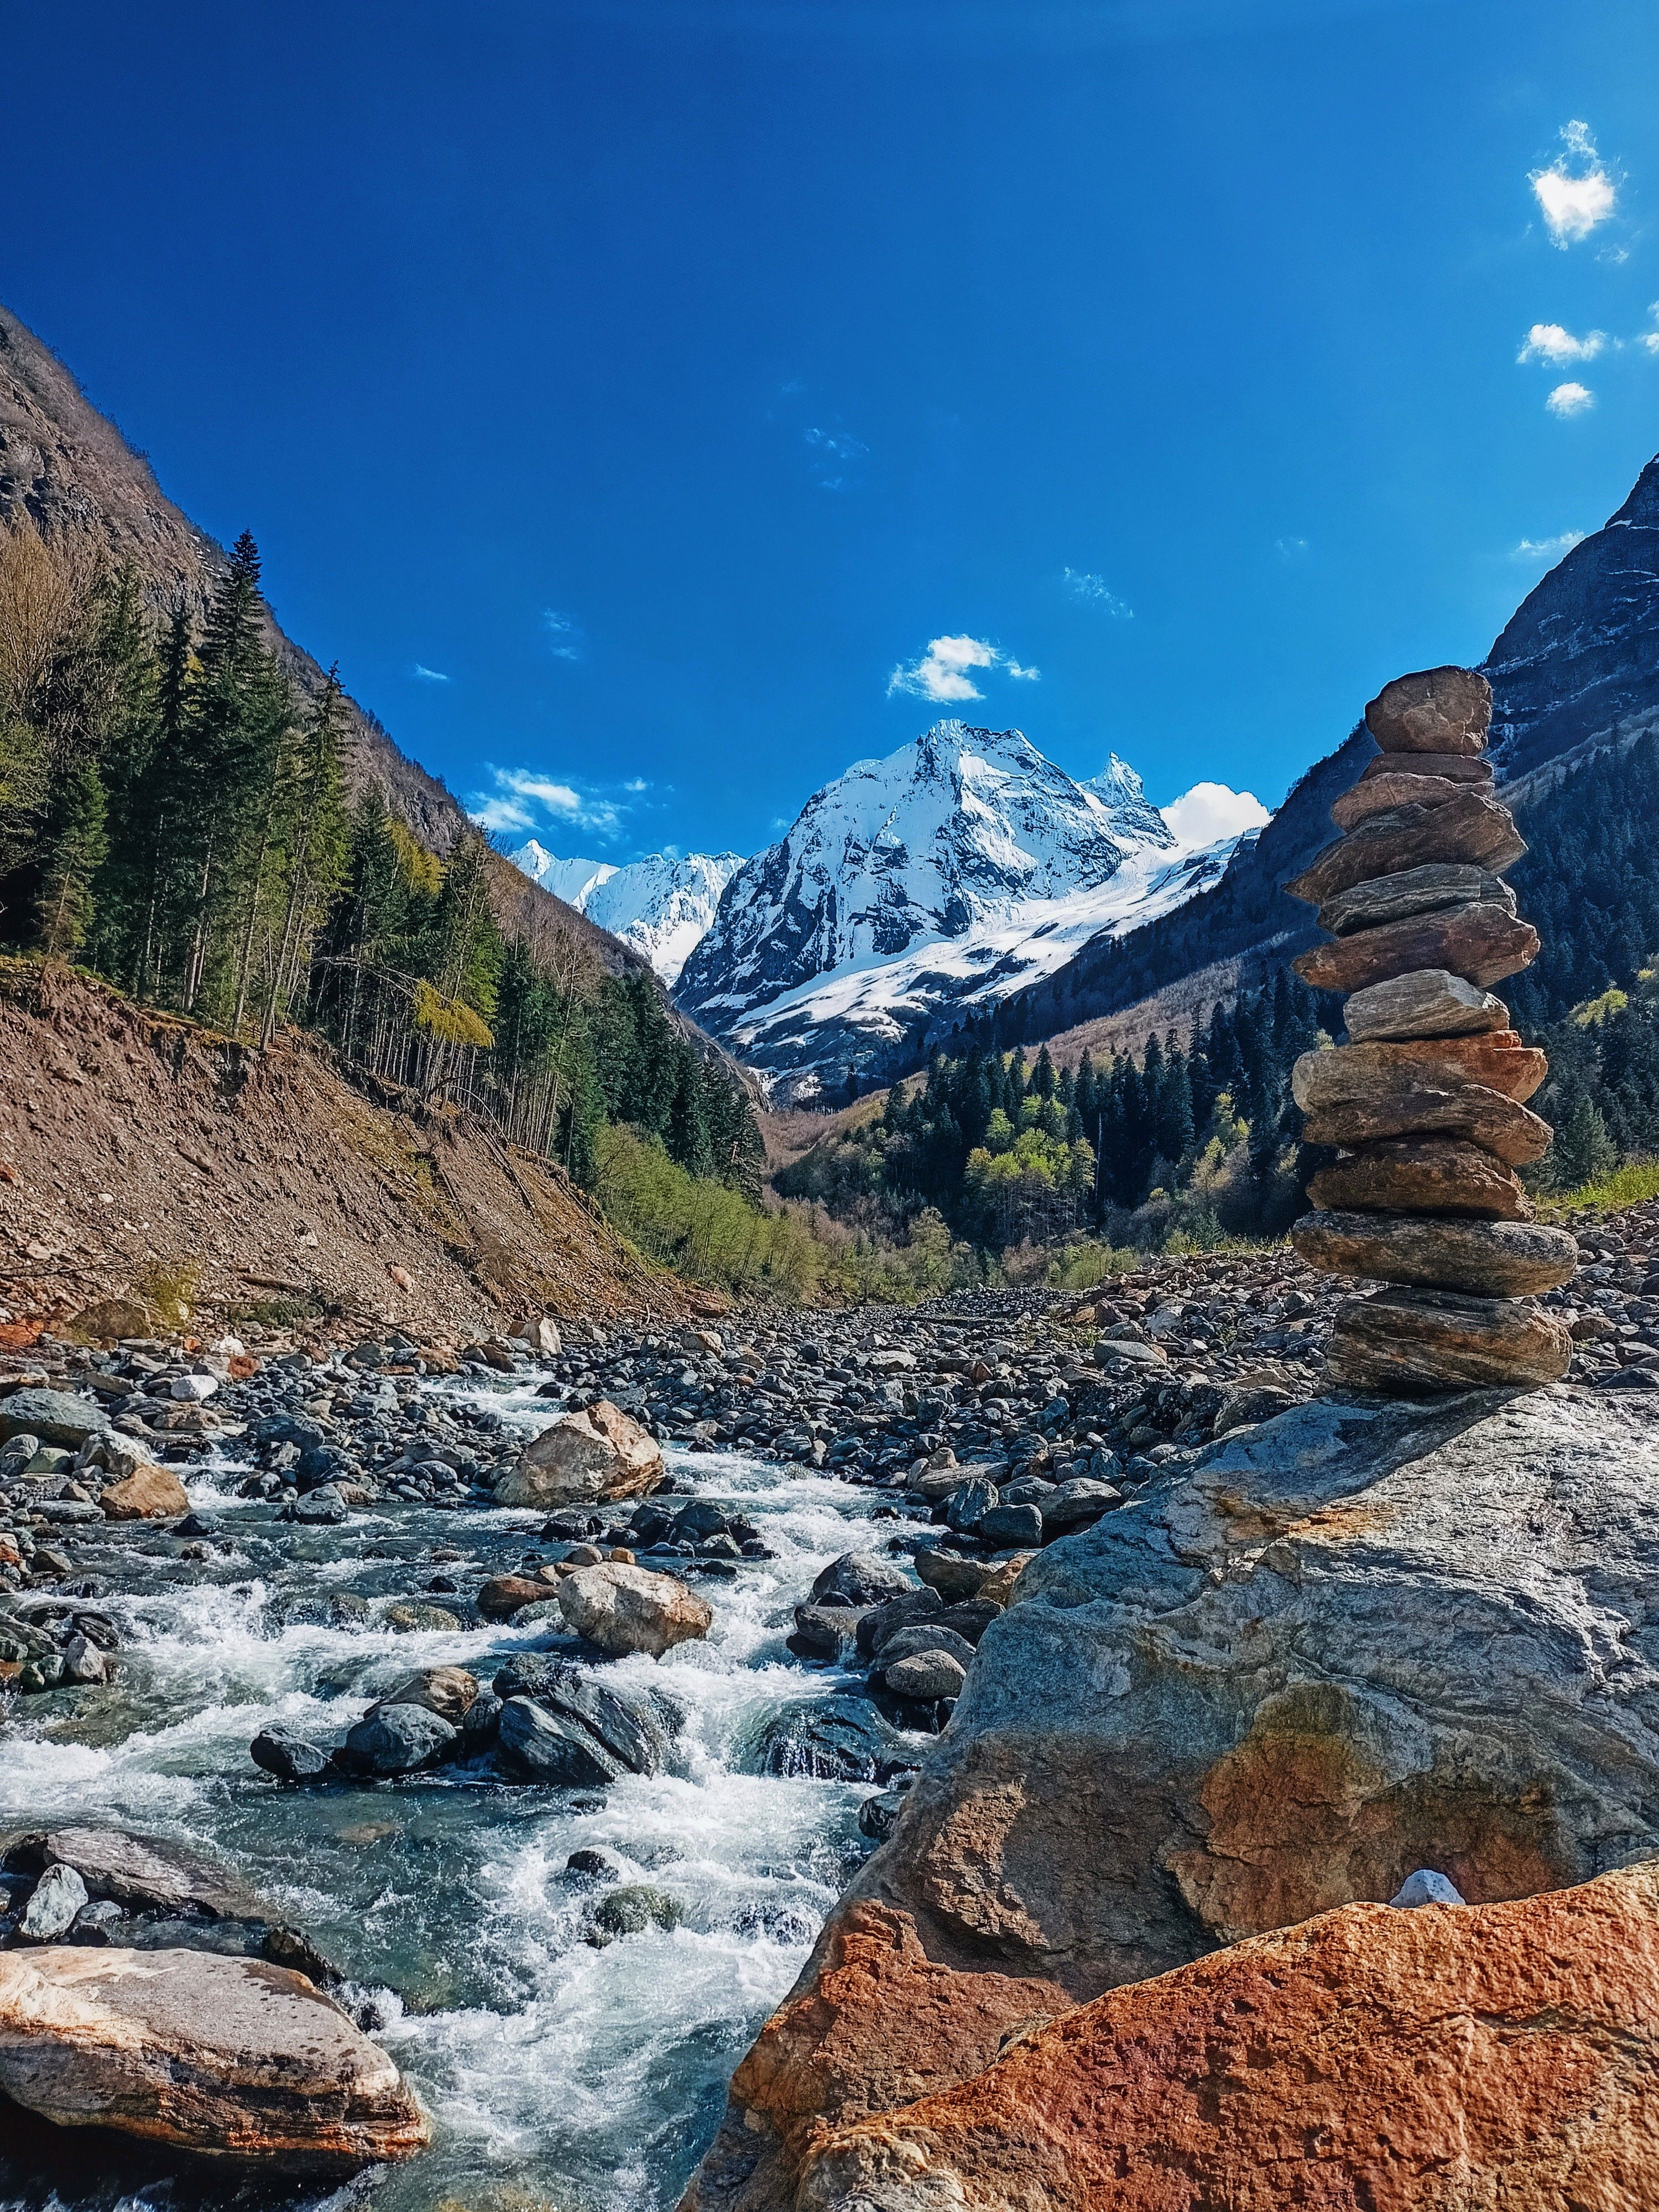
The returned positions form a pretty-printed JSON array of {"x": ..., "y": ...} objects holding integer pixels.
[{"x": 137, "y": 1149}]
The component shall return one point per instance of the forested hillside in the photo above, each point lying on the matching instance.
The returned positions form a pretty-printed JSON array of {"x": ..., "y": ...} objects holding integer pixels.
[{"x": 174, "y": 814}]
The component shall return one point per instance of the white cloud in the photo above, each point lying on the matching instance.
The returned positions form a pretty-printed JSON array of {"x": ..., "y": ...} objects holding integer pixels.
[
  {"x": 564, "y": 639},
  {"x": 1576, "y": 191},
  {"x": 1094, "y": 590},
  {"x": 523, "y": 800},
  {"x": 1549, "y": 342},
  {"x": 1290, "y": 548},
  {"x": 1546, "y": 549},
  {"x": 833, "y": 453},
  {"x": 1570, "y": 399},
  {"x": 1650, "y": 338},
  {"x": 1212, "y": 810},
  {"x": 941, "y": 674},
  {"x": 430, "y": 675}
]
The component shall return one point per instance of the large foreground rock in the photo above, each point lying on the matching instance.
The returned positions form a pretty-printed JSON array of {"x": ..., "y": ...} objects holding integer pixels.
[
  {"x": 622, "y": 1609},
  {"x": 600, "y": 1453},
  {"x": 1452, "y": 2057},
  {"x": 1352, "y": 1642},
  {"x": 230, "y": 2058}
]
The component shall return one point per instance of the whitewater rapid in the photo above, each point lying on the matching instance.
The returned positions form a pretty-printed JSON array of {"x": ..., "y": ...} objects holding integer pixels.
[{"x": 557, "y": 2074}]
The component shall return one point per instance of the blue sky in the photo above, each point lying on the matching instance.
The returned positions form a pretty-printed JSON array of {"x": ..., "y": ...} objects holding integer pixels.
[{"x": 658, "y": 404}]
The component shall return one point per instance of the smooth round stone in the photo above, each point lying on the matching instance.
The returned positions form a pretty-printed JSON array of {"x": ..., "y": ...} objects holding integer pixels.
[
  {"x": 1482, "y": 942},
  {"x": 1436, "y": 884},
  {"x": 1430, "y": 1002},
  {"x": 1469, "y": 827},
  {"x": 1421, "y": 1174},
  {"x": 1486, "y": 1117},
  {"x": 1443, "y": 710},
  {"x": 1486, "y": 1259},
  {"x": 1356, "y": 1072},
  {"x": 927, "y": 1675},
  {"x": 1409, "y": 1343}
]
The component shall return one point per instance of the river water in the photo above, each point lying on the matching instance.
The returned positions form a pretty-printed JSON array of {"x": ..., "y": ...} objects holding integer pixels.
[{"x": 557, "y": 2074}]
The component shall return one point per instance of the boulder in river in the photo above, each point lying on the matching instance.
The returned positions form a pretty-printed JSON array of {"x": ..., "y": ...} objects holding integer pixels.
[
  {"x": 149, "y": 1493},
  {"x": 599, "y": 1453},
  {"x": 289, "y": 1755},
  {"x": 398, "y": 1739},
  {"x": 634, "y": 1730},
  {"x": 622, "y": 1608},
  {"x": 232, "y": 2059},
  {"x": 861, "y": 1578},
  {"x": 1510, "y": 2045},
  {"x": 52, "y": 1417},
  {"x": 837, "y": 1739},
  {"x": 446, "y": 1690}
]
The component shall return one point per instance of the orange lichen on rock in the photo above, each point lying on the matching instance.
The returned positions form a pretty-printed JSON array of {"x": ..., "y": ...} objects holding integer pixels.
[{"x": 1372, "y": 2060}]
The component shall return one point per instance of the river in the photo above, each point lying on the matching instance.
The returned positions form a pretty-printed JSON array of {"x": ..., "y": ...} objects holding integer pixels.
[{"x": 557, "y": 2074}]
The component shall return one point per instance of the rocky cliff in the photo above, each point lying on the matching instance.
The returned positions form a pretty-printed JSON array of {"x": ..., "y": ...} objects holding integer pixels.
[{"x": 1356, "y": 1641}]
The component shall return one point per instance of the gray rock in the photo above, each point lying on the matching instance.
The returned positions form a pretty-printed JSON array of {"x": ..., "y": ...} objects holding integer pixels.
[
  {"x": 1426, "y": 1002},
  {"x": 322, "y": 1508},
  {"x": 1076, "y": 1505},
  {"x": 968, "y": 1504},
  {"x": 878, "y": 1815},
  {"x": 632, "y": 1731},
  {"x": 149, "y": 1874},
  {"x": 1018, "y": 1525},
  {"x": 287, "y": 1755},
  {"x": 631, "y": 1910},
  {"x": 862, "y": 1580},
  {"x": 593, "y": 1862},
  {"x": 926, "y": 1676},
  {"x": 52, "y": 1417},
  {"x": 1425, "y": 1887},
  {"x": 101, "y": 1922},
  {"x": 534, "y": 1745},
  {"x": 50, "y": 1913},
  {"x": 924, "y": 1636},
  {"x": 398, "y": 1739},
  {"x": 878, "y": 1623},
  {"x": 842, "y": 1739}
]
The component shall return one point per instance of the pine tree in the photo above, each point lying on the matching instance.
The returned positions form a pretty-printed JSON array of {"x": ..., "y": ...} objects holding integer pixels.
[{"x": 76, "y": 847}]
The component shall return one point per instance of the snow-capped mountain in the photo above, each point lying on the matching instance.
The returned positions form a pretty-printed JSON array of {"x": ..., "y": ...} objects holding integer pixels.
[
  {"x": 914, "y": 890},
  {"x": 661, "y": 905}
]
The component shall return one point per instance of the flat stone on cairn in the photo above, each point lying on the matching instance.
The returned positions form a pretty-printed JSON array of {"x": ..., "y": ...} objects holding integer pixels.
[{"x": 1424, "y": 1102}]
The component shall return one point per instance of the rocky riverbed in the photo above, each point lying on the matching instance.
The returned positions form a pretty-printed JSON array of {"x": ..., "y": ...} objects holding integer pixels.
[{"x": 208, "y": 1546}]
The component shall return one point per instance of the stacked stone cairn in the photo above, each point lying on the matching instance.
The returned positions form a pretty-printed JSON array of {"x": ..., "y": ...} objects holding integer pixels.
[{"x": 1425, "y": 1099}]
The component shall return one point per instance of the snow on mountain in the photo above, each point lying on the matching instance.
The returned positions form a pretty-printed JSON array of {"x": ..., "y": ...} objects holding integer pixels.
[
  {"x": 945, "y": 834},
  {"x": 661, "y": 905},
  {"x": 915, "y": 890}
]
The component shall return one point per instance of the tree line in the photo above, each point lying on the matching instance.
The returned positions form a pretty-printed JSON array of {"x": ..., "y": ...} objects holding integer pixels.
[
  {"x": 175, "y": 815},
  {"x": 1011, "y": 1150}
]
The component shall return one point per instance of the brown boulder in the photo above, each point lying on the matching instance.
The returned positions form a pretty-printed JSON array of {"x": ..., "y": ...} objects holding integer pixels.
[
  {"x": 1434, "y": 710},
  {"x": 1354, "y": 1072},
  {"x": 227, "y": 2057},
  {"x": 1372, "y": 2059},
  {"x": 1483, "y": 943},
  {"x": 1487, "y": 1259},
  {"x": 1456, "y": 767},
  {"x": 1413, "y": 1341},
  {"x": 600, "y": 1453},
  {"x": 622, "y": 1608},
  {"x": 1430, "y": 1002},
  {"x": 1422, "y": 1174},
  {"x": 149, "y": 1493},
  {"x": 1427, "y": 890},
  {"x": 449, "y": 1691},
  {"x": 503, "y": 1595},
  {"x": 1486, "y": 1117},
  {"x": 1469, "y": 827}
]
